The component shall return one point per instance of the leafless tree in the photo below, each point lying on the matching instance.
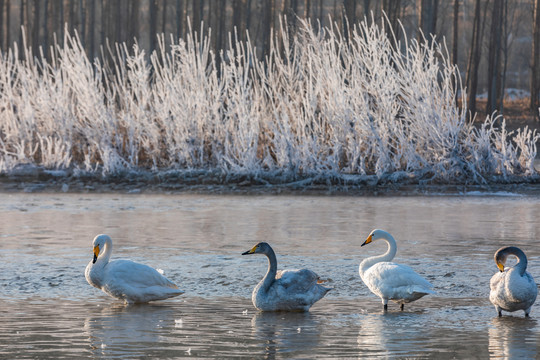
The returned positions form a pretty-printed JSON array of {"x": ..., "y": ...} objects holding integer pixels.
[
  {"x": 535, "y": 60},
  {"x": 494, "y": 99}
]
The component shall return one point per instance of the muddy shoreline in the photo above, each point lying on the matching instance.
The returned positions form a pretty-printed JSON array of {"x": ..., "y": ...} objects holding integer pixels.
[{"x": 36, "y": 179}]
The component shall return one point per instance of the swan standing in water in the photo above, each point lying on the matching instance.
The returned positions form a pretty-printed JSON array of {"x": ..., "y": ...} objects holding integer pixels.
[
  {"x": 125, "y": 279},
  {"x": 388, "y": 280},
  {"x": 288, "y": 290},
  {"x": 514, "y": 288}
]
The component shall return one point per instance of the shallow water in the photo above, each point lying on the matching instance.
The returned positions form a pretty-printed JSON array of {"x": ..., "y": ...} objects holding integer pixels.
[{"x": 49, "y": 311}]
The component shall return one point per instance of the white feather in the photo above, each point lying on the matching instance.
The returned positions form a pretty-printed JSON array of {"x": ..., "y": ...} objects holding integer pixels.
[
  {"x": 125, "y": 279},
  {"x": 514, "y": 288},
  {"x": 391, "y": 281}
]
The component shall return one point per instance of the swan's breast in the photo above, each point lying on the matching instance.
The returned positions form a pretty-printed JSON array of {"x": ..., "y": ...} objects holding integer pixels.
[
  {"x": 511, "y": 291},
  {"x": 93, "y": 275}
]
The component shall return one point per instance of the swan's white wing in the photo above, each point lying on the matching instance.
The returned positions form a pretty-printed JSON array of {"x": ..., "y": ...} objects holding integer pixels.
[
  {"x": 136, "y": 282},
  {"x": 297, "y": 280},
  {"x": 136, "y": 275},
  {"x": 396, "y": 282}
]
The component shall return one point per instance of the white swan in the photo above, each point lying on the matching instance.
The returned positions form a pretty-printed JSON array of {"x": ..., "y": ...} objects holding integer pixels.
[
  {"x": 285, "y": 290},
  {"x": 388, "y": 280},
  {"x": 125, "y": 279},
  {"x": 514, "y": 288}
]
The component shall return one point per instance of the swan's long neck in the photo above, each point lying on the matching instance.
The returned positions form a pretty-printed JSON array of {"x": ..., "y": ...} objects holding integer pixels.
[
  {"x": 270, "y": 276},
  {"x": 103, "y": 258},
  {"x": 387, "y": 256},
  {"x": 94, "y": 272},
  {"x": 521, "y": 266}
]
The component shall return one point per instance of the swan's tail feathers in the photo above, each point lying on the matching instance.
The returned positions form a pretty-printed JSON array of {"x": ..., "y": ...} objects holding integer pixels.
[
  {"x": 421, "y": 290},
  {"x": 176, "y": 291},
  {"x": 322, "y": 281},
  {"x": 417, "y": 291}
]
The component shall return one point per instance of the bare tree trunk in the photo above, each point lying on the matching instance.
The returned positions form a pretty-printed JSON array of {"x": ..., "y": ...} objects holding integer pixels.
[
  {"x": 21, "y": 22},
  {"x": 367, "y": 9},
  {"x": 82, "y": 23},
  {"x": 61, "y": 23},
  {"x": 164, "y": 16},
  {"x": 455, "y": 39},
  {"x": 248, "y": 14},
  {"x": 91, "y": 30},
  {"x": 535, "y": 61},
  {"x": 494, "y": 58},
  {"x": 221, "y": 38},
  {"x": 197, "y": 14},
  {"x": 3, "y": 21},
  {"x": 239, "y": 18},
  {"x": 427, "y": 18},
  {"x": 268, "y": 24},
  {"x": 153, "y": 25},
  {"x": 36, "y": 26},
  {"x": 392, "y": 8},
  {"x": 180, "y": 17},
  {"x": 474, "y": 58},
  {"x": 118, "y": 18},
  {"x": 350, "y": 14},
  {"x": 103, "y": 22},
  {"x": 45, "y": 27},
  {"x": 8, "y": 24}
]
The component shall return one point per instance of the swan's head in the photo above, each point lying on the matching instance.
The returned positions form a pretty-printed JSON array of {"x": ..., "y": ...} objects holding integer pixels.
[
  {"x": 502, "y": 254},
  {"x": 376, "y": 235},
  {"x": 260, "y": 248},
  {"x": 99, "y": 245}
]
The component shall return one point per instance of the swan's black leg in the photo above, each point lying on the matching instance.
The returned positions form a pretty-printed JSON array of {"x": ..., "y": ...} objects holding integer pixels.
[
  {"x": 401, "y": 307},
  {"x": 500, "y": 313},
  {"x": 385, "y": 307}
]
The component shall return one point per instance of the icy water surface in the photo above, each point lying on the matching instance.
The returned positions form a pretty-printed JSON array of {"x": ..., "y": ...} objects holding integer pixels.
[{"x": 48, "y": 310}]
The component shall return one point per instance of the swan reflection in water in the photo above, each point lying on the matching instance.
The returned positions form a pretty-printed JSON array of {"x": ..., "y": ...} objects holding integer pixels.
[
  {"x": 129, "y": 330},
  {"x": 285, "y": 332},
  {"x": 391, "y": 335},
  {"x": 513, "y": 337}
]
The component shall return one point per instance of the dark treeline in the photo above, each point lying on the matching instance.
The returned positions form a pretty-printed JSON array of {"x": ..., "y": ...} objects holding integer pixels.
[{"x": 495, "y": 43}]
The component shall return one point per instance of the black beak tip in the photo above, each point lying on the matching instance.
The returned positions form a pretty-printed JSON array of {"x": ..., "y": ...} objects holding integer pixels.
[
  {"x": 95, "y": 259},
  {"x": 363, "y": 244},
  {"x": 246, "y": 253}
]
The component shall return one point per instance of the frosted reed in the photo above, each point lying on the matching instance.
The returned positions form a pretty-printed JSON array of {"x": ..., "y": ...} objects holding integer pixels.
[{"x": 321, "y": 107}]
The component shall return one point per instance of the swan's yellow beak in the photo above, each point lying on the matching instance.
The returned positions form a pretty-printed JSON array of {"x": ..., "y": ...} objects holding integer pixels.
[
  {"x": 96, "y": 253},
  {"x": 252, "y": 251},
  {"x": 368, "y": 240},
  {"x": 500, "y": 266}
]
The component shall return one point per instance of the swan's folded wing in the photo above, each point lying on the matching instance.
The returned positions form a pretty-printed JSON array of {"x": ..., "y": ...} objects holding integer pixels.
[
  {"x": 398, "y": 275},
  {"x": 136, "y": 275},
  {"x": 300, "y": 280}
]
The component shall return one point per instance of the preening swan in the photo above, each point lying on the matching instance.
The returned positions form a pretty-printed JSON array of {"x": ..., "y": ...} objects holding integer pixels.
[
  {"x": 292, "y": 290},
  {"x": 388, "y": 280},
  {"x": 514, "y": 288},
  {"x": 125, "y": 279}
]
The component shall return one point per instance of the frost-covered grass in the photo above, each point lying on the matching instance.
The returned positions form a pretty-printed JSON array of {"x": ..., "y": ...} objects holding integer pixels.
[{"x": 319, "y": 107}]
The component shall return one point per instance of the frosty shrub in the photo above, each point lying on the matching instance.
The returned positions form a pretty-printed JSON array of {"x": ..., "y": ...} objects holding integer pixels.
[{"x": 321, "y": 107}]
